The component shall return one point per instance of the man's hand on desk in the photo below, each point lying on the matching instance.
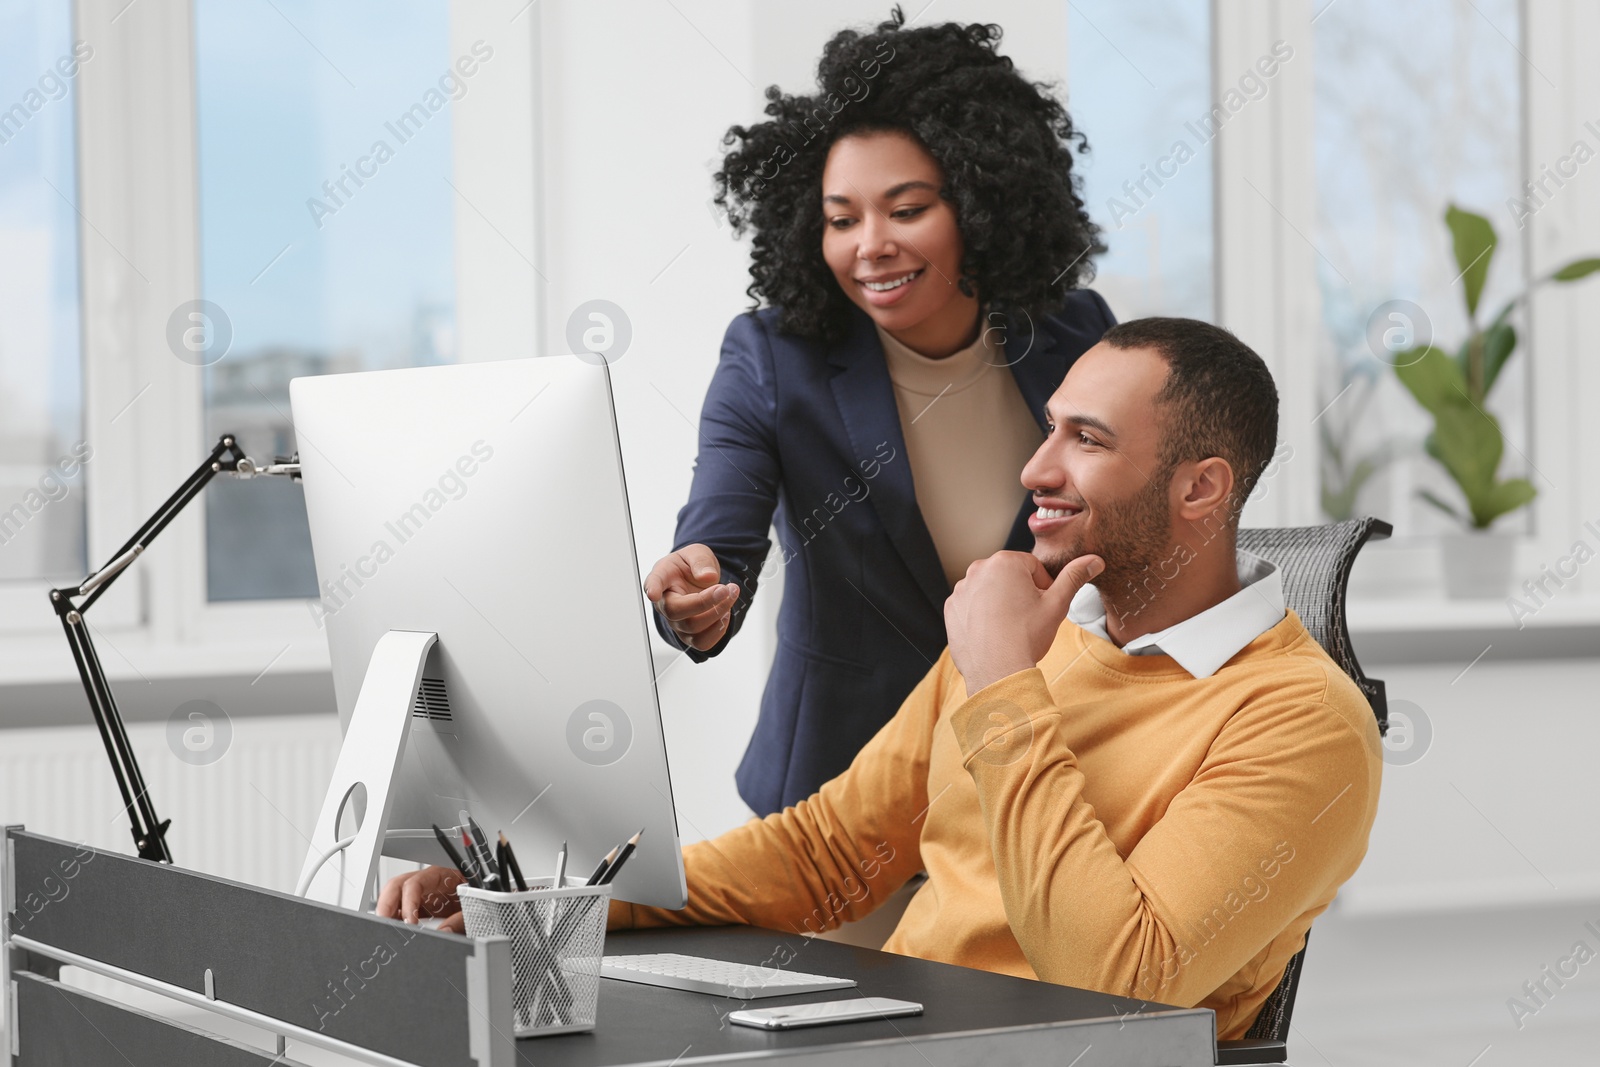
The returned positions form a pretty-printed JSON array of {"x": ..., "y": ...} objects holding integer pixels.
[
  {"x": 425, "y": 894},
  {"x": 1003, "y": 616},
  {"x": 684, "y": 587}
]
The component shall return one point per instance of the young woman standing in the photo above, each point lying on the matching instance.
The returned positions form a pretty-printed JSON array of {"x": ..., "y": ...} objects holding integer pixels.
[{"x": 918, "y": 243}]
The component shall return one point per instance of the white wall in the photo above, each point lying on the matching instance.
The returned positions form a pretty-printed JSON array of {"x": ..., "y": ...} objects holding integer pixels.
[{"x": 1499, "y": 809}]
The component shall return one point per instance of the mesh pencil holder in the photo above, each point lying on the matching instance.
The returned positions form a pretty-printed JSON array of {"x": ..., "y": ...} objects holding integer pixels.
[{"x": 558, "y": 937}]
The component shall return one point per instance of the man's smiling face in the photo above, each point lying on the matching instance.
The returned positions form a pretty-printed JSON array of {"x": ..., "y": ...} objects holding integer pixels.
[{"x": 1097, "y": 480}]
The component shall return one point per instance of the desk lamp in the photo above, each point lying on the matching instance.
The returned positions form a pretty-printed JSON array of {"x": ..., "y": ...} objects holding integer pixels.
[{"x": 149, "y": 831}]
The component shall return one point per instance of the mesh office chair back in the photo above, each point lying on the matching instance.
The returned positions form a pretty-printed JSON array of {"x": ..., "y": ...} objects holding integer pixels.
[{"x": 1314, "y": 563}]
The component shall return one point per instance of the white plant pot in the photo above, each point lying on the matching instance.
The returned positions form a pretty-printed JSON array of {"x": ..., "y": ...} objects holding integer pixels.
[{"x": 1477, "y": 564}]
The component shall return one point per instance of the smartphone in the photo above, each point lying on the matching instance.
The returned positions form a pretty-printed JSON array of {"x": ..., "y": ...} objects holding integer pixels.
[{"x": 824, "y": 1013}]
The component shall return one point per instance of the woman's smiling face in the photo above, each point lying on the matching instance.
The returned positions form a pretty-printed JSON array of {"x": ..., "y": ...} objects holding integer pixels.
[{"x": 893, "y": 242}]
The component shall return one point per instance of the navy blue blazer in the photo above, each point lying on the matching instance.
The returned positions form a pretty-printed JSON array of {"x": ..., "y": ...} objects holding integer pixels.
[{"x": 804, "y": 437}]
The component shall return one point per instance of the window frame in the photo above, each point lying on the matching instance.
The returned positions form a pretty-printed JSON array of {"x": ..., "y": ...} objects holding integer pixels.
[
  {"x": 1267, "y": 291},
  {"x": 139, "y": 259}
]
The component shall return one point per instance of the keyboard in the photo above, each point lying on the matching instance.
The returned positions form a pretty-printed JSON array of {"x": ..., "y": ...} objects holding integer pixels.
[{"x": 718, "y": 977}]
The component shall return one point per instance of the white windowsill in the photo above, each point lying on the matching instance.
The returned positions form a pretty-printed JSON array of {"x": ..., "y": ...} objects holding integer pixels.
[
  {"x": 1373, "y": 615},
  {"x": 132, "y": 657},
  {"x": 1397, "y": 588}
]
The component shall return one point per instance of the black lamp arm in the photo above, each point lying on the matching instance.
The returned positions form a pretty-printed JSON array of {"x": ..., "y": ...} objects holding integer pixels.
[{"x": 149, "y": 831}]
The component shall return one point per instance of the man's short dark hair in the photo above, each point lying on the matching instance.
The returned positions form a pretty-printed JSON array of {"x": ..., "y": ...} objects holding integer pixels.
[{"x": 1219, "y": 397}]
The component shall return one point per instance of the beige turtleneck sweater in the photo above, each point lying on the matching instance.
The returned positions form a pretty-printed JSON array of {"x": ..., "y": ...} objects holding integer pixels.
[{"x": 968, "y": 434}]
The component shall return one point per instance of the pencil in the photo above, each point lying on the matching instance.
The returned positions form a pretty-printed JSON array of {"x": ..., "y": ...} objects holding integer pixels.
[
  {"x": 560, "y": 881},
  {"x": 471, "y": 859},
  {"x": 622, "y": 857},
  {"x": 455, "y": 856},
  {"x": 480, "y": 861},
  {"x": 599, "y": 872},
  {"x": 509, "y": 864}
]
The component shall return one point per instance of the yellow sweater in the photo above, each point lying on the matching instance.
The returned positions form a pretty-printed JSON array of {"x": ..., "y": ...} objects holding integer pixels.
[{"x": 1104, "y": 821}]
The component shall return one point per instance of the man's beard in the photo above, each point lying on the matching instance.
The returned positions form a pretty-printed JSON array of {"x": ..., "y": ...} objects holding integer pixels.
[{"x": 1130, "y": 536}]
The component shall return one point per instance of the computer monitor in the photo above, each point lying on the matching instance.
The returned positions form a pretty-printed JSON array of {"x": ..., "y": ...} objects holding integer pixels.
[{"x": 486, "y": 503}]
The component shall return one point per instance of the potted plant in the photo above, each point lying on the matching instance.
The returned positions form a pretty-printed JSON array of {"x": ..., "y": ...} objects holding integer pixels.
[{"x": 1466, "y": 440}]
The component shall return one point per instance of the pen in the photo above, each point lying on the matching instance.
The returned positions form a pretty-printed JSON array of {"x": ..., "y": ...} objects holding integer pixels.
[
  {"x": 480, "y": 862},
  {"x": 455, "y": 856},
  {"x": 471, "y": 860},
  {"x": 622, "y": 857},
  {"x": 509, "y": 864},
  {"x": 494, "y": 878},
  {"x": 558, "y": 882},
  {"x": 599, "y": 872}
]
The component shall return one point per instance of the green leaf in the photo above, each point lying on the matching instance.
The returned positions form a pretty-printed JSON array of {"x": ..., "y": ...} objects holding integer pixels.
[
  {"x": 1339, "y": 506},
  {"x": 1505, "y": 496},
  {"x": 1442, "y": 506},
  {"x": 1510, "y": 306},
  {"x": 1499, "y": 342},
  {"x": 1362, "y": 473},
  {"x": 1468, "y": 442},
  {"x": 1433, "y": 378},
  {"x": 1464, "y": 361},
  {"x": 1430, "y": 445},
  {"x": 1475, "y": 241},
  {"x": 1578, "y": 268}
]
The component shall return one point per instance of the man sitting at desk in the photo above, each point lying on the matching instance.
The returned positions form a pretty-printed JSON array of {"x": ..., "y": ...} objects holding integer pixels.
[{"x": 1153, "y": 798}]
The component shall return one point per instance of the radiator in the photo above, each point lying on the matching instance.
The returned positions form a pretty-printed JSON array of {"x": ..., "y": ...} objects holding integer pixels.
[{"x": 245, "y": 814}]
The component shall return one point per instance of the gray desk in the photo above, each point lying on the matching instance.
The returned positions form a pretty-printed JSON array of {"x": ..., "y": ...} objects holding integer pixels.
[
  {"x": 279, "y": 963},
  {"x": 970, "y": 1016}
]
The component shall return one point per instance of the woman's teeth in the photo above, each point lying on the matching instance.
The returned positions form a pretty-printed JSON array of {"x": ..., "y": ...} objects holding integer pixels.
[{"x": 884, "y": 287}]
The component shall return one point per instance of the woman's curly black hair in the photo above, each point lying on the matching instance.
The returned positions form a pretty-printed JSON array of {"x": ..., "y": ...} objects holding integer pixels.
[{"x": 1004, "y": 144}]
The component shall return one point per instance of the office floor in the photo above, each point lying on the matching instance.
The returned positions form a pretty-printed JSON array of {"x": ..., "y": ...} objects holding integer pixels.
[
  {"x": 1425, "y": 990},
  {"x": 1396, "y": 991}
]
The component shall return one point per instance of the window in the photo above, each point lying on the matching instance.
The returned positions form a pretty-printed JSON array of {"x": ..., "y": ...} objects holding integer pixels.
[
  {"x": 42, "y": 447},
  {"x": 1139, "y": 82},
  {"x": 325, "y": 237},
  {"x": 1385, "y": 176}
]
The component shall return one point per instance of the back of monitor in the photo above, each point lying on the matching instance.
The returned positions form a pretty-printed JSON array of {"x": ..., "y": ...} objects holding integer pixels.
[{"x": 486, "y": 503}]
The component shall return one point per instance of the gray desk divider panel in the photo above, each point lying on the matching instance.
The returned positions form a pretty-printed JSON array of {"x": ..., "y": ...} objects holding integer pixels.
[
  {"x": 71, "y": 1028},
  {"x": 422, "y": 997}
]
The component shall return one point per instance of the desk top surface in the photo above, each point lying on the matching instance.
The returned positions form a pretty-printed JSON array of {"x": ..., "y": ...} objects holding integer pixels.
[{"x": 647, "y": 1024}]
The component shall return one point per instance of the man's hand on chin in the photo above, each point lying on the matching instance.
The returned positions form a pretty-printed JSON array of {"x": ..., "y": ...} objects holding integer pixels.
[{"x": 1003, "y": 616}]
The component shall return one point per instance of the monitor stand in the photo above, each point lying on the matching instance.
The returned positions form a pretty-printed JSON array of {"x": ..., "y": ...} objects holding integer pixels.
[{"x": 369, "y": 758}]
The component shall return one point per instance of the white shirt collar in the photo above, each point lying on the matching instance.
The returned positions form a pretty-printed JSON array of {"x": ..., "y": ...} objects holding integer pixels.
[{"x": 1202, "y": 643}]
